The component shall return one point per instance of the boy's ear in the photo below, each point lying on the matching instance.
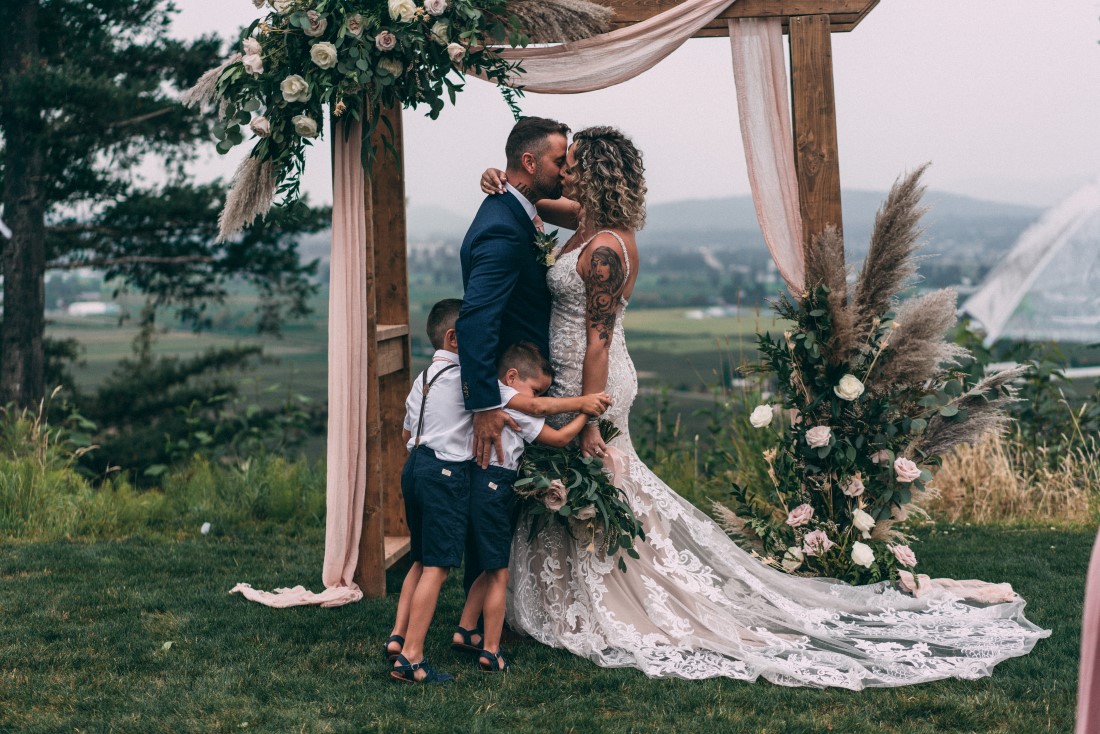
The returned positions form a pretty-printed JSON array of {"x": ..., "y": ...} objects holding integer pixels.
[
  {"x": 510, "y": 376},
  {"x": 451, "y": 337}
]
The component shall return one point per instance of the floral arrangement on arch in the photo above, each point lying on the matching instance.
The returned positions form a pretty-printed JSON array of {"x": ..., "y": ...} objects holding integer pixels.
[
  {"x": 359, "y": 57},
  {"x": 558, "y": 484},
  {"x": 867, "y": 404}
]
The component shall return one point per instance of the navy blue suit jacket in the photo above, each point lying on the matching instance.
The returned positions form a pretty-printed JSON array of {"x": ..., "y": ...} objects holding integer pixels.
[{"x": 506, "y": 299}]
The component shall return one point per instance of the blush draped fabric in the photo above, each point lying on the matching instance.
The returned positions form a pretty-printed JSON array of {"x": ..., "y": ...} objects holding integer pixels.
[
  {"x": 347, "y": 389},
  {"x": 1088, "y": 683}
]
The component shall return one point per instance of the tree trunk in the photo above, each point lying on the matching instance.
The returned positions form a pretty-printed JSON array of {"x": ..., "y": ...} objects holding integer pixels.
[{"x": 22, "y": 356}]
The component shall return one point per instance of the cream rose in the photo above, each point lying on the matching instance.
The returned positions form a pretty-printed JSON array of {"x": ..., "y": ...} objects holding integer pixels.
[
  {"x": 354, "y": 24},
  {"x": 904, "y": 554},
  {"x": 906, "y": 470},
  {"x": 253, "y": 64},
  {"x": 863, "y": 522},
  {"x": 304, "y": 125},
  {"x": 261, "y": 126},
  {"x": 792, "y": 559},
  {"x": 402, "y": 10},
  {"x": 586, "y": 513},
  {"x": 385, "y": 41},
  {"x": 818, "y": 436},
  {"x": 761, "y": 416},
  {"x": 317, "y": 24},
  {"x": 800, "y": 515},
  {"x": 441, "y": 32},
  {"x": 295, "y": 89},
  {"x": 251, "y": 46},
  {"x": 323, "y": 54},
  {"x": 862, "y": 555},
  {"x": 392, "y": 67},
  {"x": 816, "y": 543},
  {"x": 555, "y": 496},
  {"x": 849, "y": 388},
  {"x": 282, "y": 6},
  {"x": 435, "y": 7},
  {"x": 853, "y": 487},
  {"x": 456, "y": 51}
]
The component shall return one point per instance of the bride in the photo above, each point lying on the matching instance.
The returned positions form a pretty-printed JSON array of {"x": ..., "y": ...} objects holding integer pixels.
[{"x": 694, "y": 604}]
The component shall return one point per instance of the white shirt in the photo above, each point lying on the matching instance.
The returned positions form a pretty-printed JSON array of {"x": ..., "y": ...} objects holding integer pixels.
[
  {"x": 529, "y": 429},
  {"x": 448, "y": 427},
  {"x": 523, "y": 200}
]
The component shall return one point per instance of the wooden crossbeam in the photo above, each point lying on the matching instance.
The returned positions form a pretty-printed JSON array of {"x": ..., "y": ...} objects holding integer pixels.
[{"x": 844, "y": 15}]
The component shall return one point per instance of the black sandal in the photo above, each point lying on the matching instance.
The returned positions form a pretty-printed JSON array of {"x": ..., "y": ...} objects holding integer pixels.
[
  {"x": 390, "y": 654},
  {"x": 498, "y": 664},
  {"x": 467, "y": 644},
  {"x": 405, "y": 672}
]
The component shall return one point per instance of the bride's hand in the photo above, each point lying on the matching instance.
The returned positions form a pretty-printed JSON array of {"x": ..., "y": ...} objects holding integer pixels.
[
  {"x": 591, "y": 443},
  {"x": 493, "y": 180}
]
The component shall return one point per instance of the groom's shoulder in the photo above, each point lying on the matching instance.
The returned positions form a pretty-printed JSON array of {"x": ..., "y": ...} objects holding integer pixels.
[{"x": 493, "y": 214}]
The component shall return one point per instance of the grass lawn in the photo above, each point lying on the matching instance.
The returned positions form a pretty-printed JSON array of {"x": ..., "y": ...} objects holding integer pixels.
[{"x": 85, "y": 628}]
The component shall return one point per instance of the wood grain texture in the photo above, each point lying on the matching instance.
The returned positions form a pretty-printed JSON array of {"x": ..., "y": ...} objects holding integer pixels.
[
  {"x": 844, "y": 15},
  {"x": 813, "y": 118}
]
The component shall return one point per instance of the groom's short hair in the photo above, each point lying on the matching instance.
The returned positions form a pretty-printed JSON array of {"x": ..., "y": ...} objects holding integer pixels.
[
  {"x": 526, "y": 359},
  {"x": 441, "y": 319},
  {"x": 531, "y": 135}
]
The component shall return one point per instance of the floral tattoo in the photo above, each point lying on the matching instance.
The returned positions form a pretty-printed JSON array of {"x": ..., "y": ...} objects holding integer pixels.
[{"x": 603, "y": 285}]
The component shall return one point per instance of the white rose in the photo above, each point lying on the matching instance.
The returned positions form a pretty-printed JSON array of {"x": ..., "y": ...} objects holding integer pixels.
[
  {"x": 317, "y": 24},
  {"x": 793, "y": 559},
  {"x": 355, "y": 25},
  {"x": 385, "y": 41},
  {"x": 295, "y": 89},
  {"x": 441, "y": 31},
  {"x": 305, "y": 126},
  {"x": 862, "y": 555},
  {"x": 456, "y": 51},
  {"x": 761, "y": 416},
  {"x": 323, "y": 54},
  {"x": 849, "y": 388},
  {"x": 853, "y": 487},
  {"x": 863, "y": 522},
  {"x": 253, "y": 64},
  {"x": 261, "y": 126},
  {"x": 818, "y": 436},
  {"x": 435, "y": 7},
  {"x": 282, "y": 6},
  {"x": 392, "y": 66},
  {"x": 402, "y": 10},
  {"x": 251, "y": 46}
]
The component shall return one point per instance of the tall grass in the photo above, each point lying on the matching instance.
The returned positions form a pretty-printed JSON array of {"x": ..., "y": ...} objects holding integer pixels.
[{"x": 44, "y": 495}]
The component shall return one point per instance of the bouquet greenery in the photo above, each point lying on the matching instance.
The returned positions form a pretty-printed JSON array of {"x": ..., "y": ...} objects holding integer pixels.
[
  {"x": 867, "y": 403},
  {"x": 576, "y": 491}
]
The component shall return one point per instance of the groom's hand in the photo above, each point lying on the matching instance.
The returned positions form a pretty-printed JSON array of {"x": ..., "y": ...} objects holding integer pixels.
[{"x": 488, "y": 425}]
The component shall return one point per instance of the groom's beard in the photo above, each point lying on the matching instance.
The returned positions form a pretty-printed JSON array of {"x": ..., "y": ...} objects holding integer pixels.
[{"x": 546, "y": 187}]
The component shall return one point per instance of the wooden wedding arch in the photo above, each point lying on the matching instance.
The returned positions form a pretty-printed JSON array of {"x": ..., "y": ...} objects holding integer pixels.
[{"x": 809, "y": 24}]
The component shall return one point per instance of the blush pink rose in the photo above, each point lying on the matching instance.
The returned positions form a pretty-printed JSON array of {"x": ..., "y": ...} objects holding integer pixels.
[
  {"x": 816, "y": 543},
  {"x": 853, "y": 487},
  {"x": 880, "y": 456},
  {"x": 800, "y": 515},
  {"x": 904, "y": 554},
  {"x": 385, "y": 41},
  {"x": 253, "y": 64},
  {"x": 906, "y": 470},
  {"x": 251, "y": 46},
  {"x": 818, "y": 436},
  {"x": 556, "y": 495}
]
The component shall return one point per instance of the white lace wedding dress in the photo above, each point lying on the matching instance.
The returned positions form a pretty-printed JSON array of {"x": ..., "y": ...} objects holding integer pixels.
[{"x": 697, "y": 606}]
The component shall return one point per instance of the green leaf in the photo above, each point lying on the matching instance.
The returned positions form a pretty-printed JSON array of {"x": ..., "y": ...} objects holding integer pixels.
[{"x": 948, "y": 411}]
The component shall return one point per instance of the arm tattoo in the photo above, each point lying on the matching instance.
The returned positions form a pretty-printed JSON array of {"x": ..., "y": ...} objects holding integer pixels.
[{"x": 603, "y": 286}]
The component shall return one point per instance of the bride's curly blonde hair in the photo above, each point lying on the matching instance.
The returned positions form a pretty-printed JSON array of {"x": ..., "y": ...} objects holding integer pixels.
[{"x": 610, "y": 178}]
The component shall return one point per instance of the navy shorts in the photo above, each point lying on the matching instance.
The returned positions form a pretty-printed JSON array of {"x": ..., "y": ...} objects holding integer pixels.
[
  {"x": 492, "y": 503},
  {"x": 437, "y": 506}
]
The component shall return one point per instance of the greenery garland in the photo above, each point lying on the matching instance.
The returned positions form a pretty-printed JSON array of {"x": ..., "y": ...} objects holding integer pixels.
[{"x": 358, "y": 57}]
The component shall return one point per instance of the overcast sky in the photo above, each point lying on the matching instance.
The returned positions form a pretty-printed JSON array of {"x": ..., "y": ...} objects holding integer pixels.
[{"x": 1003, "y": 96}]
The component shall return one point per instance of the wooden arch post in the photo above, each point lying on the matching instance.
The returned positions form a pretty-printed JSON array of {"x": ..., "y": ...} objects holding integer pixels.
[{"x": 809, "y": 24}]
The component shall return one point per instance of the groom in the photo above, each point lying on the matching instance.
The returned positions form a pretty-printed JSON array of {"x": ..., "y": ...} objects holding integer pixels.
[{"x": 506, "y": 299}]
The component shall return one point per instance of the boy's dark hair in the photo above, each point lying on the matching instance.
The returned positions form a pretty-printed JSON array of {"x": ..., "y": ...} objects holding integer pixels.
[
  {"x": 531, "y": 135},
  {"x": 526, "y": 359},
  {"x": 441, "y": 319}
]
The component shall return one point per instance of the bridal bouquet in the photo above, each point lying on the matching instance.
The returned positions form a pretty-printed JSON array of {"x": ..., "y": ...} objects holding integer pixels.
[
  {"x": 867, "y": 404},
  {"x": 561, "y": 485}
]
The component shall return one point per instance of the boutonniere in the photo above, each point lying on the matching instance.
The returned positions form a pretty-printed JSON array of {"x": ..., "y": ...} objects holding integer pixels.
[{"x": 546, "y": 243}]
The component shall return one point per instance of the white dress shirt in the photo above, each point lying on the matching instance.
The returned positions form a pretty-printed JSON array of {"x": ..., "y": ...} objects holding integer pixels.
[
  {"x": 529, "y": 429},
  {"x": 448, "y": 426}
]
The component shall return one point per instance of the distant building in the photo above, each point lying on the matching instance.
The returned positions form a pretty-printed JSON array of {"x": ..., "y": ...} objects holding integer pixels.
[{"x": 92, "y": 308}]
